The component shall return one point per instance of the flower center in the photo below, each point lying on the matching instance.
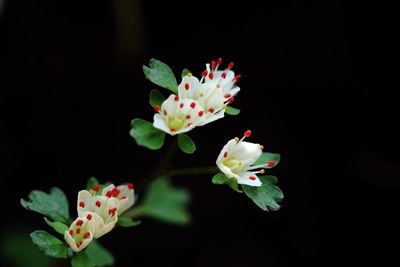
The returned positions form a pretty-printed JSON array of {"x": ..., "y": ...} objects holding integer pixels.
[{"x": 233, "y": 164}]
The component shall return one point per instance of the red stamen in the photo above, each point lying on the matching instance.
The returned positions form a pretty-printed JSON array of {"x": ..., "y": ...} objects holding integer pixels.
[
  {"x": 252, "y": 178},
  {"x": 211, "y": 75},
  {"x": 271, "y": 163},
  {"x": 187, "y": 86},
  {"x": 172, "y": 130},
  {"x": 112, "y": 211},
  {"x": 187, "y": 116},
  {"x": 108, "y": 194},
  {"x": 230, "y": 100},
  {"x": 227, "y": 95},
  {"x": 115, "y": 192},
  {"x": 190, "y": 124},
  {"x": 223, "y": 75},
  {"x": 130, "y": 186},
  {"x": 204, "y": 74},
  {"x": 124, "y": 197},
  {"x": 225, "y": 154},
  {"x": 219, "y": 61},
  {"x": 98, "y": 203},
  {"x": 71, "y": 232},
  {"x": 79, "y": 223},
  {"x": 82, "y": 204},
  {"x": 78, "y": 245},
  {"x": 213, "y": 64},
  {"x": 211, "y": 110},
  {"x": 165, "y": 112},
  {"x": 247, "y": 133},
  {"x": 181, "y": 105},
  {"x": 86, "y": 235},
  {"x": 96, "y": 188},
  {"x": 230, "y": 65},
  {"x": 89, "y": 217},
  {"x": 201, "y": 113},
  {"x": 234, "y": 80},
  {"x": 193, "y": 104},
  {"x": 176, "y": 98},
  {"x": 157, "y": 108},
  {"x": 78, "y": 231}
]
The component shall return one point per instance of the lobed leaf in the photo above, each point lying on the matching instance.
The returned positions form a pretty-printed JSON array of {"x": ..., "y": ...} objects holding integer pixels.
[
  {"x": 146, "y": 135},
  {"x": 221, "y": 178},
  {"x": 57, "y": 226},
  {"x": 156, "y": 98},
  {"x": 268, "y": 157},
  {"x": 127, "y": 222},
  {"x": 49, "y": 244},
  {"x": 161, "y": 74},
  {"x": 81, "y": 259},
  {"x": 99, "y": 255}
]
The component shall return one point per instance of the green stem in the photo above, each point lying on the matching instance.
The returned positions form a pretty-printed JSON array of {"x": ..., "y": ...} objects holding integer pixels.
[{"x": 191, "y": 171}]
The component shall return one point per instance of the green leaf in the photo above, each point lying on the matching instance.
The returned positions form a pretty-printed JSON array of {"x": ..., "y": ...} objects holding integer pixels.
[
  {"x": 81, "y": 259},
  {"x": 92, "y": 182},
  {"x": 267, "y": 157},
  {"x": 127, "y": 222},
  {"x": 53, "y": 205},
  {"x": 186, "y": 144},
  {"x": 267, "y": 195},
  {"x": 156, "y": 98},
  {"x": 166, "y": 203},
  {"x": 159, "y": 73},
  {"x": 57, "y": 226},
  {"x": 49, "y": 244},
  {"x": 185, "y": 72},
  {"x": 220, "y": 178},
  {"x": 146, "y": 135},
  {"x": 99, "y": 255},
  {"x": 232, "y": 111}
]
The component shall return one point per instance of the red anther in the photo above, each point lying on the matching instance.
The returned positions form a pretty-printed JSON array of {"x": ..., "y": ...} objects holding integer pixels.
[
  {"x": 130, "y": 186},
  {"x": 213, "y": 64},
  {"x": 176, "y": 98},
  {"x": 211, "y": 110},
  {"x": 271, "y": 163},
  {"x": 187, "y": 117},
  {"x": 89, "y": 217},
  {"x": 78, "y": 231},
  {"x": 78, "y": 245},
  {"x": 225, "y": 154},
  {"x": 219, "y": 61},
  {"x": 123, "y": 197},
  {"x": 227, "y": 95},
  {"x": 115, "y": 192},
  {"x": 157, "y": 108},
  {"x": 252, "y": 178},
  {"x": 211, "y": 75},
  {"x": 98, "y": 204},
  {"x": 112, "y": 211},
  {"x": 96, "y": 188},
  {"x": 193, "y": 104},
  {"x": 71, "y": 232},
  {"x": 187, "y": 86},
  {"x": 190, "y": 124},
  {"x": 79, "y": 223},
  {"x": 172, "y": 130},
  {"x": 230, "y": 65},
  {"x": 165, "y": 112},
  {"x": 82, "y": 204},
  {"x": 86, "y": 235},
  {"x": 109, "y": 193},
  {"x": 204, "y": 73},
  {"x": 181, "y": 105},
  {"x": 201, "y": 113},
  {"x": 230, "y": 100},
  {"x": 223, "y": 75},
  {"x": 237, "y": 77},
  {"x": 247, "y": 133}
]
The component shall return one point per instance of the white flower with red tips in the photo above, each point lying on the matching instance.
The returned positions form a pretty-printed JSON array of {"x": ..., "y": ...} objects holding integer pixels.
[
  {"x": 236, "y": 160},
  {"x": 213, "y": 91},
  {"x": 124, "y": 194},
  {"x": 177, "y": 115},
  {"x": 81, "y": 232}
]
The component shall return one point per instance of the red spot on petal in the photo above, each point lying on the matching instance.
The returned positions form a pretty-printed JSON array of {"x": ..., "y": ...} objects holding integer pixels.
[
  {"x": 79, "y": 223},
  {"x": 187, "y": 117},
  {"x": 230, "y": 65},
  {"x": 223, "y": 75},
  {"x": 98, "y": 203},
  {"x": 193, "y": 104},
  {"x": 108, "y": 194},
  {"x": 78, "y": 245},
  {"x": 225, "y": 154},
  {"x": 124, "y": 197},
  {"x": 190, "y": 124},
  {"x": 211, "y": 75},
  {"x": 204, "y": 73},
  {"x": 89, "y": 217},
  {"x": 227, "y": 95},
  {"x": 86, "y": 235},
  {"x": 82, "y": 204},
  {"x": 165, "y": 112},
  {"x": 71, "y": 232},
  {"x": 181, "y": 105},
  {"x": 176, "y": 98},
  {"x": 112, "y": 211},
  {"x": 252, "y": 178},
  {"x": 115, "y": 192},
  {"x": 172, "y": 130},
  {"x": 157, "y": 108},
  {"x": 211, "y": 110},
  {"x": 271, "y": 163},
  {"x": 230, "y": 100},
  {"x": 96, "y": 188},
  {"x": 130, "y": 186},
  {"x": 78, "y": 231},
  {"x": 247, "y": 133},
  {"x": 187, "y": 86},
  {"x": 201, "y": 113}
]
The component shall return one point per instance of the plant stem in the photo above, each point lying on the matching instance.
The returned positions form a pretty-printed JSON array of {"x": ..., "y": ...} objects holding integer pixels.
[{"x": 191, "y": 171}]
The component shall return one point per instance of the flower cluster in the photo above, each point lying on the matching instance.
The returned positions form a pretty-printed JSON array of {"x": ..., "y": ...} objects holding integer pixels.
[
  {"x": 198, "y": 101},
  {"x": 98, "y": 212}
]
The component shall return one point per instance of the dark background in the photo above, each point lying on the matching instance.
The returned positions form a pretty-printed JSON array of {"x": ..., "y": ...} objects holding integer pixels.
[{"x": 318, "y": 84}]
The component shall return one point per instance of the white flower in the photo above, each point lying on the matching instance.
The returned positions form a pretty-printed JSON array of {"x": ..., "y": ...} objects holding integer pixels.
[
  {"x": 81, "y": 232},
  {"x": 103, "y": 207},
  {"x": 213, "y": 92},
  {"x": 236, "y": 160},
  {"x": 124, "y": 194},
  {"x": 177, "y": 115}
]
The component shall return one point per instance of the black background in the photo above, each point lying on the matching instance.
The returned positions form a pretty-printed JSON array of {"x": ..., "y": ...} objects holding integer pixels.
[{"x": 318, "y": 84}]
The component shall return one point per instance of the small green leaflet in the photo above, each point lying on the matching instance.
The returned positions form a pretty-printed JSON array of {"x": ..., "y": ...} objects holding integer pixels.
[
  {"x": 99, "y": 255},
  {"x": 127, "y": 222},
  {"x": 232, "y": 111},
  {"x": 267, "y": 195},
  {"x": 185, "y": 72},
  {"x": 81, "y": 259},
  {"x": 53, "y": 205},
  {"x": 186, "y": 144},
  {"x": 146, "y": 135},
  {"x": 161, "y": 74},
  {"x": 57, "y": 226},
  {"x": 156, "y": 98},
  {"x": 220, "y": 178},
  {"x": 49, "y": 244},
  {"x": 268, "y": 157}
]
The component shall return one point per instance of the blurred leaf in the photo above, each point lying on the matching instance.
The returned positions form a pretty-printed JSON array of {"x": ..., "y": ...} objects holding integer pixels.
[
  {"x": 146, "y": 135},
  {"x": 185, "y": 72},
  {"x": 15, "y": 240},
  {"x": 166, "y": 203},
  {"x": 186, "y": 144},
  {"x": 57, "y": 226},
  {"x": 81, "y": 259},
  {"x": 92, "y": 182},
  {"x": 267, "y": 195},
  {"x": 49, "y": 244},
  {"x": 220, "y": 178},
  {"x": 268, "y": 157},
  {"x": 53, "y": 205},
  {"x": 232, "y": 111},
  {"x": 127, "y": 222},
  {"x": 161, "y": 74},
  {"x": 156, "y": 98},
  {"x": 99, "y": 255}
]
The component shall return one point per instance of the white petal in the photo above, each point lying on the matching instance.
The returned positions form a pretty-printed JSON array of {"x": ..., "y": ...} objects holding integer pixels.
[
  {"x": 246, "y": 151},
  {"x": 127, "y": 202},
  {"x": 227, "y": 148},
  {"x": 234, "y": 91},
  {"x": 87, "y": 198},
  {"x": 105, "y": 228},
  {"x": 193, "y": 84},
  {"x": 169, "y": 105},
  {"x": 71, "y": 242},
  {"x": 159, "y": 123},
  {"x": 227, "y": 171},
  {"x": 210, "y": 117},
  {"x": 245, "y": 179},
  {"x": 106, "y": 189}
]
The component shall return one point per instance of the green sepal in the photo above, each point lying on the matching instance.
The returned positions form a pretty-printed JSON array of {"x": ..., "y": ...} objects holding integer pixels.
[
  {"x": 185, "y": 72},
  {"x": 220, "y": 178},
  {"x": 49, "y": 244},
  {"x": 186, "y": 144},
  {"x": 53, "y": 205},
  {"x": 156, "y": 98},
  {"x": 268, "y": 157},
  {"x": 59, "y": 227},
  {"x": 232, "y": 111},
  {"x": 161, "y": 74},
  {"x": 146, "y": 135},
  {"x": 99, "y": 255},
  {"x": 267, "y": 195},
  {"x": 127, "y": 222},
  {"x": 81, "y": 259}
]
